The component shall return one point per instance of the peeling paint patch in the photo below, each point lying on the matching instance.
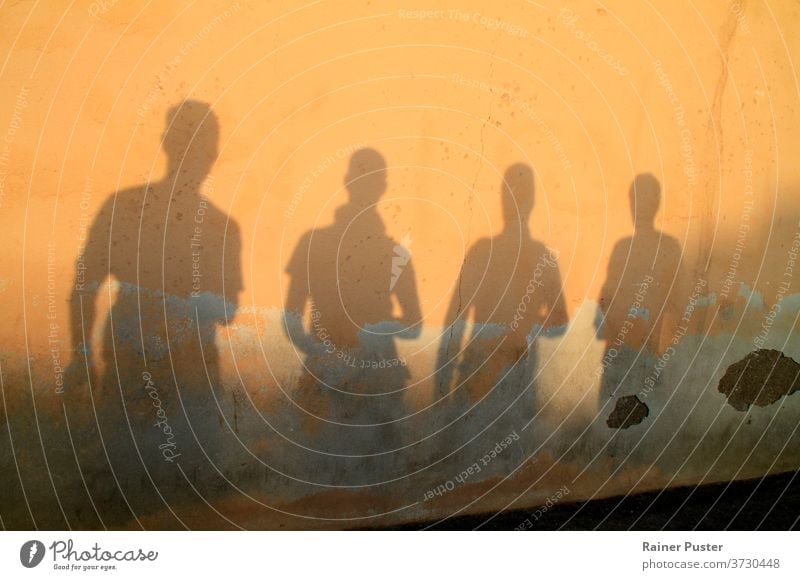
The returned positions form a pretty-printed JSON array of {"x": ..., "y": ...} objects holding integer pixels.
[
  {"x": 760, "y": 378},
  {"x": 628, "y": 412}
]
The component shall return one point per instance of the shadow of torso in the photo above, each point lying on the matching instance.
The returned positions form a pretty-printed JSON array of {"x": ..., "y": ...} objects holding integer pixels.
[
  {"x": 513, "y": 288},
  {"x": 641, "y": 302},
  {"x": 155, "y": 421},
  {"x": 350, "y": 396}
]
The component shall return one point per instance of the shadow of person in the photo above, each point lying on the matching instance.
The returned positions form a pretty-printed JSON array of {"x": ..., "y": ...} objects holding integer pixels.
[
  {"x": 172, "y": 260},
  {"x": 352, "y": 278},
  {"x": 637, "y": 306},
  {"x": 509, "y": 289}
]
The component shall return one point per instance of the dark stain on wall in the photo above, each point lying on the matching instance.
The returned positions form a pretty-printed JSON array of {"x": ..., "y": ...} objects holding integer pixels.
[
  {"x": 760, "y": 378},
  {"x": 629, "y": 411}
]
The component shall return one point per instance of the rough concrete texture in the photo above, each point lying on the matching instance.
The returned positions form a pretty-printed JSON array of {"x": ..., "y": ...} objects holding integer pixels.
[{"x": 338, "y": 265}]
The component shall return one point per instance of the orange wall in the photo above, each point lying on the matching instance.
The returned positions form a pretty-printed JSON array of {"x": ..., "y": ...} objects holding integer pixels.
[
  {"x": 699, "y": 94},
  {"x": 294, "y": 84}
]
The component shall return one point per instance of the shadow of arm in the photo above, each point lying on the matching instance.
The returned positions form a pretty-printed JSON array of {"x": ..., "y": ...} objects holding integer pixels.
[
  {"x": 450, "y": 345},
  {"x": 410, "y": 321},
  {"x": 91, "y": 270}
]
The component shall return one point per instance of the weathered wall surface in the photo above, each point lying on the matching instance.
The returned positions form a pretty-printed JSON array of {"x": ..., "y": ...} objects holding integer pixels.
[{"x": 386, "y": 266}]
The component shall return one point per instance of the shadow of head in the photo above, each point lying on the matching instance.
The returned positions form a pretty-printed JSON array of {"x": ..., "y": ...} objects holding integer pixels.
[
  {"x": 517, "y": 194},
  {"x": 366, "y": 177},
  {"x": 645, "y": 198},
  {"x": 190, "y": 138}
]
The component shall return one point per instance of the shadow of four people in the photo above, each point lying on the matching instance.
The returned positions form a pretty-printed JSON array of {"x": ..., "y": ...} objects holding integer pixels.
[{"x": 175, "y": 259}]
